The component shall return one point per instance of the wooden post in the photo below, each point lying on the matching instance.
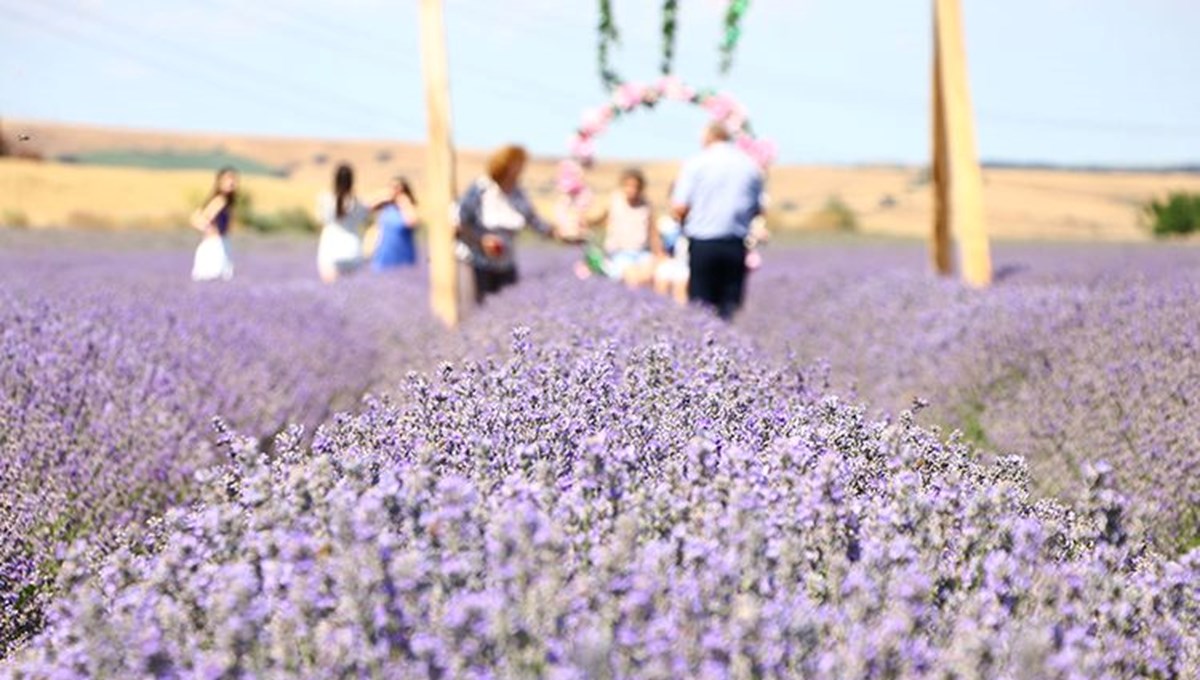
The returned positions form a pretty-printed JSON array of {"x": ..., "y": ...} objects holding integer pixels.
[
  {"x": 439, "y": 165},
  {"x": 957, "y": 178},
  {"x": 940, "y": 245}
]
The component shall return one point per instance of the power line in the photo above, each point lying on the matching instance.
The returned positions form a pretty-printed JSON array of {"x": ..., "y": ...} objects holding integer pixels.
[
  {"x": 299, "y": 91},
  {"x": 203, "y": 71},
  {"x": 327, "y": 23},
  {"x": 220, "y": 81},
  {"x": 512, "y": 86},
  {"x": 77, "y": 37},
  {"x": 509, "y": 86},
  {"x": 319, "y": 31}
]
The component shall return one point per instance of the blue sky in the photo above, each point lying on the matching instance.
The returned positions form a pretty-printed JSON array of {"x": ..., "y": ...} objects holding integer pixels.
[{"x": 843, "y": 81}]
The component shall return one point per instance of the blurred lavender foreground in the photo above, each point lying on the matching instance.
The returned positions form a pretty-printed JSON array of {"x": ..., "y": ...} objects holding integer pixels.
[
  {"x": 114, "y": 367},
  {"x": 623, "y": 489}
]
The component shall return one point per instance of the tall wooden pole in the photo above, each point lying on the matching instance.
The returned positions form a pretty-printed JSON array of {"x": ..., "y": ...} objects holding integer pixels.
[
  {"x": 439, "y": 164},
  {"x": 957, "y": 178},
  {"x": 941, "y": 243}
]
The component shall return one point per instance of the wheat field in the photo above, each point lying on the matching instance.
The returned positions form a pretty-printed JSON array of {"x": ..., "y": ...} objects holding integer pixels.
[{"x": 895, "y": 201}]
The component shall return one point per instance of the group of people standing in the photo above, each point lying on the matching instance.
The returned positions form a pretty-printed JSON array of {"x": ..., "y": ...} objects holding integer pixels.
[
  {"x": 344, "y": 216},
  {"x": 697, "y": 251}
]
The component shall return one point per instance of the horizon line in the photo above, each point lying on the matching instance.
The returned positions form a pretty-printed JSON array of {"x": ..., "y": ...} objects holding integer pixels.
[{"x": 1190, "y": 167}]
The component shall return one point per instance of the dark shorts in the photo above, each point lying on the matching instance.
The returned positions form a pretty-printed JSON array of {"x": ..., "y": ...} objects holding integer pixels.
[{"x": 718, "y": 277}]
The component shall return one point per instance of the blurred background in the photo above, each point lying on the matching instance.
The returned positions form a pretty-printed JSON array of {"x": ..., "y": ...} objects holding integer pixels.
[{"x": 114, "y": 113}]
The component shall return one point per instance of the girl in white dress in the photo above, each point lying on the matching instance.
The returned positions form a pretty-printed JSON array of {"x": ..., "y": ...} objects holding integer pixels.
[
  {"x": 212, "y": 261},
  {"x": 343, "y": 216}
]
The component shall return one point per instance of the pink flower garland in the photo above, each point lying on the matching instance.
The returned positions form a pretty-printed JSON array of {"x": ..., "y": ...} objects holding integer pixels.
[
  {"x": 722, "y": 107},
  {"x": 763, "y": 151}
]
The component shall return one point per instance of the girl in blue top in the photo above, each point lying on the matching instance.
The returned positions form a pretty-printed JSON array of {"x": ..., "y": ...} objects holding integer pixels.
[{"x": 397, "y": 219}]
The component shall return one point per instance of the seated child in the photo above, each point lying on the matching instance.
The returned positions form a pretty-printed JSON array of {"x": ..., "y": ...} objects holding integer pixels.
[{"x": 631, "y": 243}]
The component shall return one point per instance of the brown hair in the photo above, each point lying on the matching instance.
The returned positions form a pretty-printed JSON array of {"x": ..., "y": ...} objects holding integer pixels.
[
  {"x": 505, "y": 159},
  {"x": 343, "y": 185},
  {"x": 405, "y": 188},
  {"x": 636, "y": 175},
  {"x": 230, "y": 196}
]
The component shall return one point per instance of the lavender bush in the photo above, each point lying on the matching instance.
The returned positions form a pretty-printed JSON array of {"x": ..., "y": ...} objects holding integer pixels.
[
  {"x": 1077, "y": 355},
  {"x": 634, "y": 494},
  {"x": 114, "y": 367},
  {"x": 618, "y": 488}
]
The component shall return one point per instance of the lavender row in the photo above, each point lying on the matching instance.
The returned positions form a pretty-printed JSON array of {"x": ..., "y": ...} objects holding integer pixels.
[
  {"x": 115, "y": 366},
  {"x": 1077, "y": 355},
  {"x": 638, "y": 493}
]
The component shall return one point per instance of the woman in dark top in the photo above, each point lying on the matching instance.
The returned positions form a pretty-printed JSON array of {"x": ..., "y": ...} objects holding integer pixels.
[
  {"x": 397, "y": 220},
  {"x": 491, "y": 213},
  {"x": 212, "y": 259}
]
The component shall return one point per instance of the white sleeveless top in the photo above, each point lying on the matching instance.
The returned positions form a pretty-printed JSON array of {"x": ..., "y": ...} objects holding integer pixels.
[
  {"x": 628, "y": 226},
  {"x": 340, "y": 243}
]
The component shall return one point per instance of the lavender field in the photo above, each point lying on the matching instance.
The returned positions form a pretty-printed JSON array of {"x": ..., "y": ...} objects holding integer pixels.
[{"x": 871, "y": 474}]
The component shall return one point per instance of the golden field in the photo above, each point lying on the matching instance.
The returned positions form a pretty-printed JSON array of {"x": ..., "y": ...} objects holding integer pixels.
[
  {"x": 1021, "y": 204},
  {"x": 57, "y": 194}
]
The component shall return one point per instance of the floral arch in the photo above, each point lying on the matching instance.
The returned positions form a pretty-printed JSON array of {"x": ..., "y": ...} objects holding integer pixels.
[{"x": 627, "y": 98}]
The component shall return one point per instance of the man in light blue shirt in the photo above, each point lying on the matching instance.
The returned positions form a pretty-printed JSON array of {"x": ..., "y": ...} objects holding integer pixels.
[{"x": 717, "y": 196}]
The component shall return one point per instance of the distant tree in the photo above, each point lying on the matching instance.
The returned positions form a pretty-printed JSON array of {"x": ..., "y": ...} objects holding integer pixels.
[
  {"x": 1178, "y": 214},
  {"x": 840, "y": 214},
  {"x": 383, "y": 156},
  {"x": 14, "y": 219},
  {"x": 836, "y": 214},
  {"x": 286, "y": 220},
  {"x": 3, "y": 142}
]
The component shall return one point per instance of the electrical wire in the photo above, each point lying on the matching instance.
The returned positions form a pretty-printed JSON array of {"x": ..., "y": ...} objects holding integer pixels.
[{"x": 334, "y": 106}]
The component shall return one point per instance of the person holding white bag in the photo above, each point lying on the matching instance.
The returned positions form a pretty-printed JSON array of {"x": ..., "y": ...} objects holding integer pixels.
[{"x": 212, "y": 261}]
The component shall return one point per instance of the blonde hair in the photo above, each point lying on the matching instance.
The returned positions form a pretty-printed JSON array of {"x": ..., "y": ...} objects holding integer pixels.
[{"x": 504, "y": 160}]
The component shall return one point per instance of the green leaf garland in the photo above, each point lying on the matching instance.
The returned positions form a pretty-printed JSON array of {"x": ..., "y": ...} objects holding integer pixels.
[
  {"x": 607, "y": 37},
  {"x": 733, "y": 31},
  {"x": 670, "y": 14}
]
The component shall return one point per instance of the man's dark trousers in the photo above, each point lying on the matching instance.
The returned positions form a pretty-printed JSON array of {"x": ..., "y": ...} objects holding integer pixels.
[{"x": 718, "y": 274}]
